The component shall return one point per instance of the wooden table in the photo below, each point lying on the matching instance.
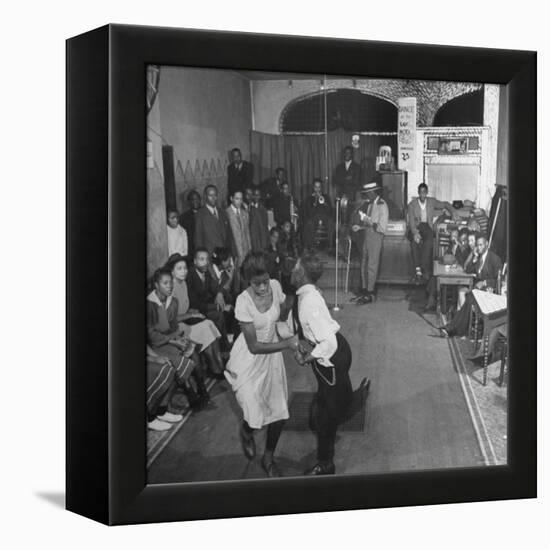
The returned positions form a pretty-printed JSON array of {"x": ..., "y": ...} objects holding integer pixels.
[
  {"x": 493, "y": 310},
  {"x": 450, "y": 275}
]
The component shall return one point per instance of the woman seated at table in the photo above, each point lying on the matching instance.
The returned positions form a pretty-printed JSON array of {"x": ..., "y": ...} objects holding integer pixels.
[
  {"x": 191, "y": 322},
  {"x": 486, "y": 266},
  {"x": 166, "y": 338}
]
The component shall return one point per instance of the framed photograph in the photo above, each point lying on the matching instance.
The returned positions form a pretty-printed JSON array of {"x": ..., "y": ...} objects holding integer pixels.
[{"x": 301, "y": 274}]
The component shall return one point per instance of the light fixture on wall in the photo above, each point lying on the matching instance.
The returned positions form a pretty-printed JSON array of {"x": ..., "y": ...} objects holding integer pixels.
[
  {"x": 290, "y": 83},
  {"x": 321, "y": 84}
]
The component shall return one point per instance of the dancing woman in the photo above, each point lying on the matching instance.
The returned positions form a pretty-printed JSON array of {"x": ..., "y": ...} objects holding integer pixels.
[{"x": 256, "y": 369}]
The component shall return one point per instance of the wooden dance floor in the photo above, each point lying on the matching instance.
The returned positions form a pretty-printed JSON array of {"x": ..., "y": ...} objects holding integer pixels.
[{"x": 416, "y": 414}]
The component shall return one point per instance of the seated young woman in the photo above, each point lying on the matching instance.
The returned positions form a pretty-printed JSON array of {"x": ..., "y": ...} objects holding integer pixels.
[
  {"x": 166, "y": 338},
  {"x": 191, "y": 322}
]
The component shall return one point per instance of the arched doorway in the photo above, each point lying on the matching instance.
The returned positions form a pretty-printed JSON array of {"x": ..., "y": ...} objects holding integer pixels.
[
  {"x": 465, "y": 110},
  {"x": 347, "y": 109}
]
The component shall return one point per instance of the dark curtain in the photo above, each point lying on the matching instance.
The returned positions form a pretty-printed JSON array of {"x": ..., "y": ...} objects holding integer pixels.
[{"x": 303, "y": 157}]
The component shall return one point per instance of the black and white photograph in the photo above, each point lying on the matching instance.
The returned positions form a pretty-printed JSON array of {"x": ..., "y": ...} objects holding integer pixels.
[{"x": 326, "y": 286}]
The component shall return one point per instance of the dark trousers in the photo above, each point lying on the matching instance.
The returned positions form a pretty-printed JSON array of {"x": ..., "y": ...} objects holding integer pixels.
[
  {"x": 332, "y": 402},
  {"x": 459, "y": 325},
  {"x": 422, "y": 253}
]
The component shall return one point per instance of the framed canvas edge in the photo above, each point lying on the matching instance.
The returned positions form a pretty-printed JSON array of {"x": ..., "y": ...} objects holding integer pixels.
[{"x": 130, "y": 500}]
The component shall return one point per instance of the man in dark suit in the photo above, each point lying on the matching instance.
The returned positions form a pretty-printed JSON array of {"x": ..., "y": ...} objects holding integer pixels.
[
  {"x": 187, "y": 219},
  {"x": 259, "y": 231},
  {"x": 272, "y": 186},
  {"x": 317, "y": 210},
  {"x": 285, "y": 208},
  {"x": 240, "y": 173},
  {"x": 347, "y": 176},
  {"x": 211, "y": 223},
  {"x": 486, "y": 266},
  {"x": 205, "y": 296}
]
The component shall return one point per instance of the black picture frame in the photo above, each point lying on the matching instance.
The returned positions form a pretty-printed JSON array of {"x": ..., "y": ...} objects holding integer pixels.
[{"x": 106, "y": 266}]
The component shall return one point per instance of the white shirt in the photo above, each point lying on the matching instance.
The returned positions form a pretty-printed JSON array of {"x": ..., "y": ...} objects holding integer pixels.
[
  {"x": 347, "y": 164},
  {"x": 213, "y": 210},
  {"x": 177, "y": 240},
  {"x": 319, "y": 327},
  {"x": 423, "y": 214}
]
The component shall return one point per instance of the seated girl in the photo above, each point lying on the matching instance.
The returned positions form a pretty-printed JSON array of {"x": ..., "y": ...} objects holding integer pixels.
[
  {"x": 192, "y": 323},
  {"x": 166, "y": 338}
]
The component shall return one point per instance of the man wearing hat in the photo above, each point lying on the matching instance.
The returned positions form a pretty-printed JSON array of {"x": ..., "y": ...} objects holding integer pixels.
[{"x": 371, "y": 218}]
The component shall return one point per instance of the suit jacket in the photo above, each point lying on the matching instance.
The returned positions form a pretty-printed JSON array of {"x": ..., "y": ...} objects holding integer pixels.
[
  {"x": 281, "y": 208},
  {"x": 187, "y": 221},
  {"x": 415, "y": 212},
  {"x": 270, "y": 188},
  {"x": 210, "y": 231},
  {"x": 201, "y": 294},
  {"x": 347, "y": 181},
  {"x": 488, "y": 270},
  {"x": 240, "y": 243},
  {"x": 237, "y": 180},
  {"x": 259, "y": 233}
]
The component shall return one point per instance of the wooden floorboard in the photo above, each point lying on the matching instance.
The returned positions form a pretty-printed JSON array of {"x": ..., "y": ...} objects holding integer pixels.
[{"x": 417, "y": 417}]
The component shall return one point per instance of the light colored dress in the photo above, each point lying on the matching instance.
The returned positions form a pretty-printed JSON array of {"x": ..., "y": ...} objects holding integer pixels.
[
  {"x": 203, "y": 333},
  {"x": 259, "y": 381}
]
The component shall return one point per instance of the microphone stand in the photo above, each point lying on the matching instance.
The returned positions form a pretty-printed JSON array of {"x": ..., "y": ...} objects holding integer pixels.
[{"x": 336, "y": 307}]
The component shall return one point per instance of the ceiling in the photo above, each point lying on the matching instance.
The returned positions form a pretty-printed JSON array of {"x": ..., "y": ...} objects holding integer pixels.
[{"x": 266, "y": 75}]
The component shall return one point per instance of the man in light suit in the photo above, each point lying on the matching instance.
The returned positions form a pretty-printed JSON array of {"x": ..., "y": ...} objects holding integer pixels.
[
  {"x": 239, "y": 224},
  {"x": 211, "y": 223},
  {"x": 421, "y": 213}
]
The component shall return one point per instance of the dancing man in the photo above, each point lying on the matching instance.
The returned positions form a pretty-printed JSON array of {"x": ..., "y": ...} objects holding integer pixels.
[{"x": 324, "y": 348}]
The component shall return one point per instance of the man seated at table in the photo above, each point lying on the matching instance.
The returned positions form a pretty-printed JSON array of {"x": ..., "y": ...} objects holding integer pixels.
[
  {"x": 421, "y": 215},
  {"x": 486, "y": 266}
]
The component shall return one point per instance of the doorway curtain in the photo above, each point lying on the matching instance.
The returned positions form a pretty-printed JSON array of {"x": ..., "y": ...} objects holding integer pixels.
[{"x": 303, "y": 157}]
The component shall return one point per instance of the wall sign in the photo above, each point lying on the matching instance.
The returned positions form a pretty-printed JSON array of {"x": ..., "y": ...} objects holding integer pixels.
[{"x": 406, "y": 133}]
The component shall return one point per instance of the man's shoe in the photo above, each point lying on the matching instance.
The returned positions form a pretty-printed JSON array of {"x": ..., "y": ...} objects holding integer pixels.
[
  {"x": 170, "y": 417},
  {"x": 321, "y": 469},
  {"x": 271, "y": 468},
  {"x": 158, "y": 425},
  {"x": 366, "y": 299},
  {"x": 248, "y": 444}
]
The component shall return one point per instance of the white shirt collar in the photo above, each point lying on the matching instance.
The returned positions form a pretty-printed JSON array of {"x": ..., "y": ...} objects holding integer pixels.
[
  {"x": 348, "y": 163},
  {"x": 212, "y": 209},
  {"x": 235, "y": 209},
  {"x": 152, "y": 297}
]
